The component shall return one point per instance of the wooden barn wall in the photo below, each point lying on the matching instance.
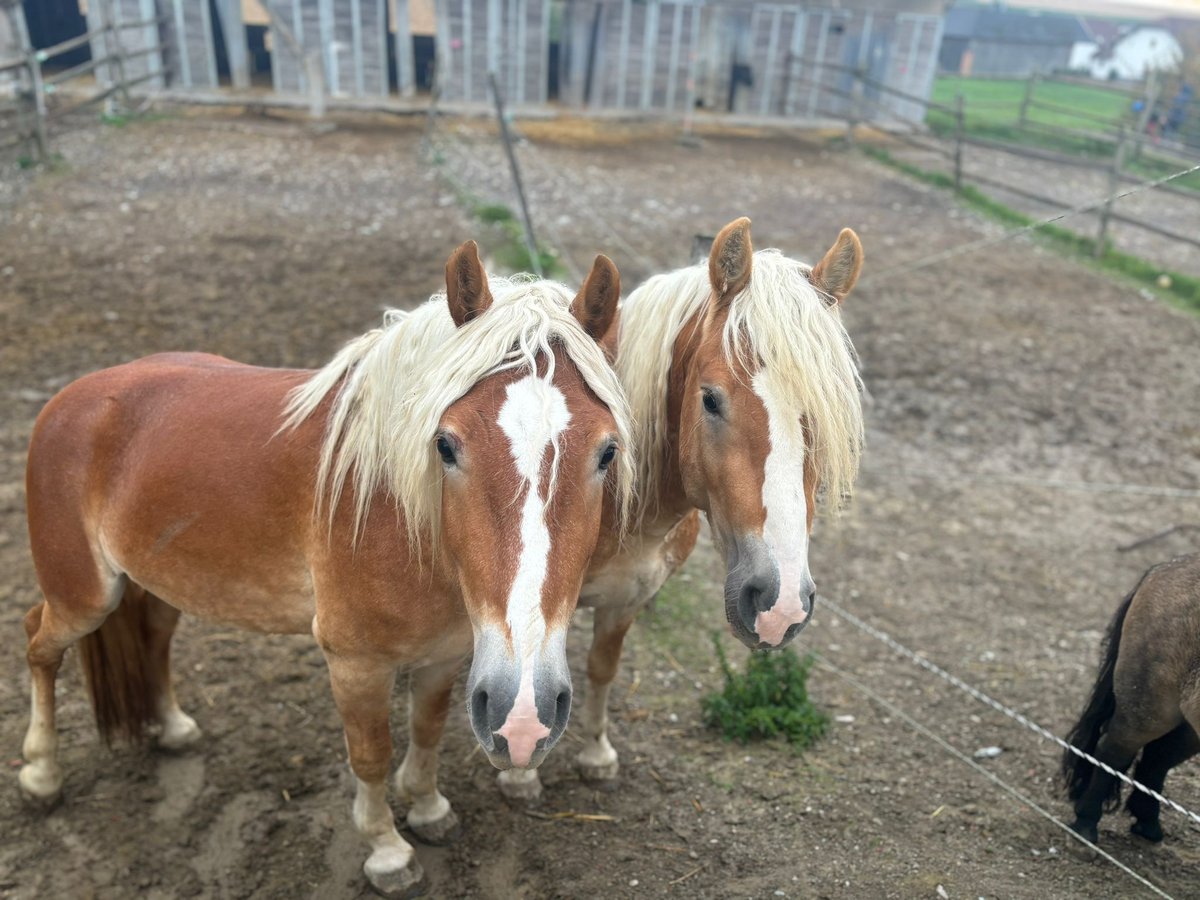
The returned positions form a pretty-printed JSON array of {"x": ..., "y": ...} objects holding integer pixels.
[
  {"x": 638, "y": 55},
  {"x": 351, "y": 37},
  {"x": 645, "y": 53},
  {"x": 508, "y": 37},
  {"x": 131, "y": 40}
]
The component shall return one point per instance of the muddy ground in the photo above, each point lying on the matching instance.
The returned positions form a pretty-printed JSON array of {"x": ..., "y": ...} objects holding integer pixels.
[{"x": 261, "y": 240}]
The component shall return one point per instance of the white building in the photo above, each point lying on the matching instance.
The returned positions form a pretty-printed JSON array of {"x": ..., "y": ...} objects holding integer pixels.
[{"x": 1130, "y": 55}]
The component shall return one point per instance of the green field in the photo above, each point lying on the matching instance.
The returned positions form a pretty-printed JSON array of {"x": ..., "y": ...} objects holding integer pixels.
[
  {"x": 998, "y": 102},
  {"x": 992, "y": 108}
]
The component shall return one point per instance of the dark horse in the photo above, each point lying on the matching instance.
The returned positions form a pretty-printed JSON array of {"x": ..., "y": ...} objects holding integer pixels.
[{"x": 1146, "y": 697}]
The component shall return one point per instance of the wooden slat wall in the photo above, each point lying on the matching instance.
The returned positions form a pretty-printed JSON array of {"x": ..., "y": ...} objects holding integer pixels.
[
  {"x": 646, "y": 54},
  {"x": 351, "y": 37},
  {"x": 509, "y": 37}
]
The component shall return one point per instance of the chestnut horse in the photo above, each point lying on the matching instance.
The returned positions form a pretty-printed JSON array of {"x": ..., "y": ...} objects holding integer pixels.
[
  {"x": 746, "y": 402},
  {"x": 436, "y": 488}
]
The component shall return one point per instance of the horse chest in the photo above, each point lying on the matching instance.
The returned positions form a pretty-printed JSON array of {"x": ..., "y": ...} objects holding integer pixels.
[{"x": 632, "y": 575}]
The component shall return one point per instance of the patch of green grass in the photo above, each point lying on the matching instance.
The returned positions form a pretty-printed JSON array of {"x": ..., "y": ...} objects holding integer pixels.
[
  {"x": 768, "y": 700},
  {"x": 997, "y": 101},
  {"x": 1183, "y": 288},
  {"x": 673, "y": 617},
  {"x": 493, "y": 212},
  {"x": 512, "y": 254}
]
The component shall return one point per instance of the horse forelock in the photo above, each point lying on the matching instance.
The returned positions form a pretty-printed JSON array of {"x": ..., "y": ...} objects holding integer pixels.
[
  {"x": 780, "y": 325},
  {"x": 392, "y": 386}
]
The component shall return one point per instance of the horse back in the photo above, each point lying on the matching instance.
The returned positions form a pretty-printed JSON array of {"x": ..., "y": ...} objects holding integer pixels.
[{"x": 172, "y": 470}]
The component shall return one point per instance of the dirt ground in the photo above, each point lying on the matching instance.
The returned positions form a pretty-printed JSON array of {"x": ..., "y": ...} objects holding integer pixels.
[{"x": 260, "y": 240}]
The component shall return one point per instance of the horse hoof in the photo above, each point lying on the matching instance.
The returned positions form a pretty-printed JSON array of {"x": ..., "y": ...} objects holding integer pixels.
[
  {"x": 179, "y": 734},
  {"x": 601, "y": 773},
  {"x": 41, "y": 785},
  {"x": 598, "y": 764},
  {"x": 522, "y": 785},
  {"x": 1148, "y": 831},
  {"x": 1086, "y": 831},
  {"x": 438, "y": 833},
  {"x": 395, "y": 874}
]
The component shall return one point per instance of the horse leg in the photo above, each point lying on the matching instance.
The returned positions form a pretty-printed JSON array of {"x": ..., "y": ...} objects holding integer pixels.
[
  {"x": 1158, "y": 758},
  {"x": 362, "y": 691},
  {"x": 429, "y": 815},
  {"x": 1116, "y": 748},
  {"x": 598, "y": 760},
  {"x": 52, "y": 627},
  {"x": 179, "y": 730}
]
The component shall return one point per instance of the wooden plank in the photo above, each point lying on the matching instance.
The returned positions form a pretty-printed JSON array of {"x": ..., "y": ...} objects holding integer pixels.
[
  {"x": 210, "y": 47},
  {"x": 623, "y": 54},
  {"x": 385, "y": 87},
  {"x": 769, "y": 67},
  {"x": 233, "y": 29},
  {"x": 544, "y": 47},
  {"x": 406, "y": 76},
  {"x": 149, "y": 36},
  {"x": 356, "y": 47},
  {"x": 326, "y": 38},
  {"x": 818, "y": 68},
  {"x": 466, "y": 48},
  {"x": 672, "y": 71},
  {"x": 495, "y": 34},
  {"x": 185, "y": 64},
  {"x": 796, "y": 59},
  {"x": 649, "y": 45}
]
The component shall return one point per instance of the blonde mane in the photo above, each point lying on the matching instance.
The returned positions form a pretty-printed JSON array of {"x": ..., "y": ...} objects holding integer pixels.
[
  {"x": 392, "y": 386},
  {"x": 779, "y": 323}
]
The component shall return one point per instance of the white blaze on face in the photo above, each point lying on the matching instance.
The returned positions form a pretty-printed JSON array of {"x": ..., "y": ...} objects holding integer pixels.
[
  {"x": 786, "y": 528},
  {"x": 533, "y": 416}
]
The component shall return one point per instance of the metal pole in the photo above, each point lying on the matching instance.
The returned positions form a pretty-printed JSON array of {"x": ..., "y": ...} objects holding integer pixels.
[
  {"x": 530, "y": 241},
  {"x": 1114, "y": 181},
  {"x": 959, "y": 128}
]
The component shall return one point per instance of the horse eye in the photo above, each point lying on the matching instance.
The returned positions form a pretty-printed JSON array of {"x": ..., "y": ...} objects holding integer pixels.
[
  {"x": 446, "y": 450},
  {"x": 711, "y": 406},
  {"x": 607, "y": 457}
]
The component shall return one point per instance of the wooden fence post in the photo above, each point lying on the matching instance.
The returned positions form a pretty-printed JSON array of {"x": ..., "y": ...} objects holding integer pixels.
[
  {"x": 1114, "y": 182},
  {"x": 1143, "y": 119},
  {"x": 1030, "y": 87},
  {"x": 37, "y": 97},
  {"x": 856, "y": 102},
  {"x": 959, "y": 128}
]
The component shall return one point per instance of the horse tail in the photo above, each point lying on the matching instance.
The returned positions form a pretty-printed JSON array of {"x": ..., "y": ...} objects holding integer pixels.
[
  {"x": 124, "y": 683},
  {"x": 1077, "y": 771}
]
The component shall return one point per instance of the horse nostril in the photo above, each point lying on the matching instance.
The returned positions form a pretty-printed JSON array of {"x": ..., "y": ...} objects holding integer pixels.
[
  {"x": 562, "y": 709},
  {"x": 479, "y": 709},
  {"x": 810, "y": 602}
]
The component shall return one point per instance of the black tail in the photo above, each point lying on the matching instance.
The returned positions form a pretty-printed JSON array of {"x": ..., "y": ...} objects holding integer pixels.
[
  {"x": 123, "y": 680},
  {"x": 1077, "y": 771}
]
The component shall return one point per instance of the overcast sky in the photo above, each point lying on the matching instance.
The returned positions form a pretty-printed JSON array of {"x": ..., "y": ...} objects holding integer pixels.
[{"x": 1150, "y": 9}]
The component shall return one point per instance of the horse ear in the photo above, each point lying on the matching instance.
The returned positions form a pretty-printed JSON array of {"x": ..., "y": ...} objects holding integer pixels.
[
  {"x": 836, "y": 273},
  {"x": 467, "y": 291},
  {"x": 729, "y": 260},
  {"x": 596, "y": 305}
]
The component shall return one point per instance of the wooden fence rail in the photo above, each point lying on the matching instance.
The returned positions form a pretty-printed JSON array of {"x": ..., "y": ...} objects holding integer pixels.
[
  {"x": 1123, "y": 143},
  {"x": 33, "y": 112}
]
